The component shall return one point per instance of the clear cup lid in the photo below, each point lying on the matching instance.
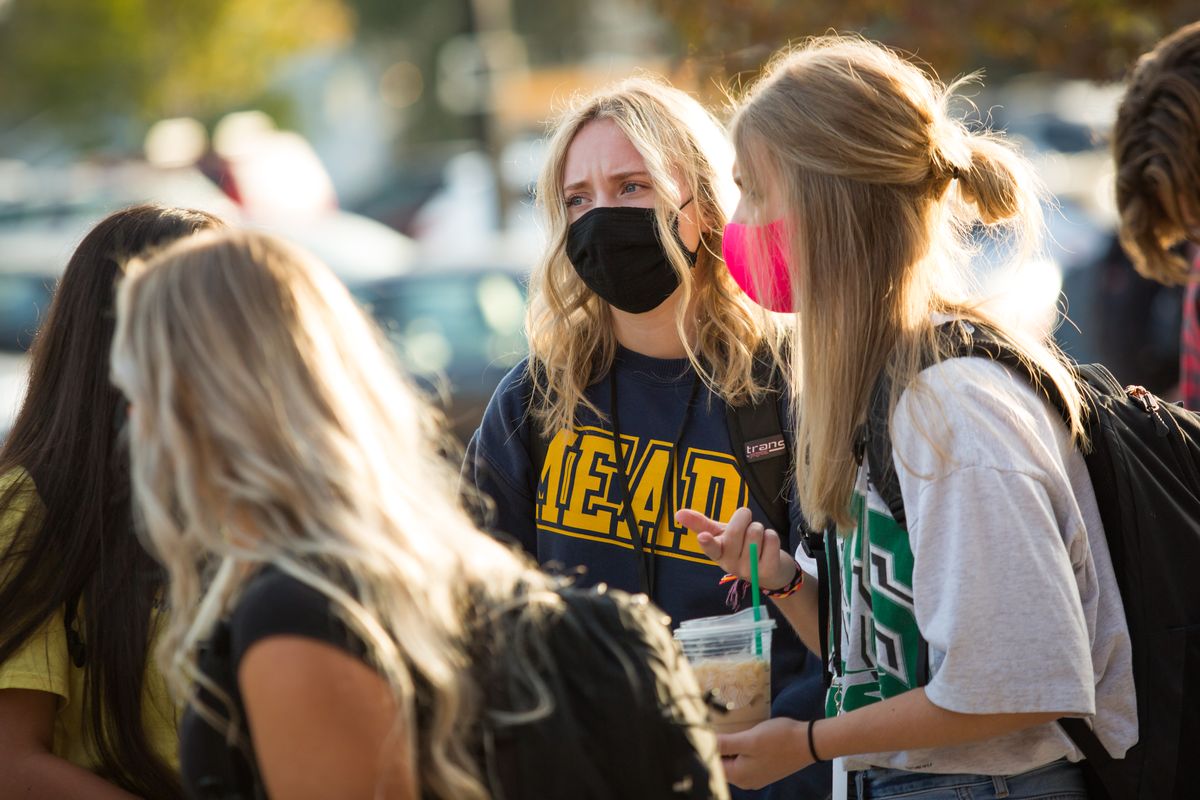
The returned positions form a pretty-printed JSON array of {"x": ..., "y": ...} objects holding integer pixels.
[{"x": 724, "y": 624}]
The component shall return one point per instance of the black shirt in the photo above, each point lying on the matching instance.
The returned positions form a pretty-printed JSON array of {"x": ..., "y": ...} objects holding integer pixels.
[
  {"x": 272, "y": 604},
  {"x": 620, "y": 722}
]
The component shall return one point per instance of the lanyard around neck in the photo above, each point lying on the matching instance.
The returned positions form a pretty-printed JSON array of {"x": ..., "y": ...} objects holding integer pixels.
[{"x": 645, "y": 549}]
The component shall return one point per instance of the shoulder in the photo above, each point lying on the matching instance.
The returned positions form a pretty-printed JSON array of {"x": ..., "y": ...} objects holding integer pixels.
[
  {"x": 18, "y": 495},
  {"x": 16, "y": 478},
  {"x": 976, "y": 412},
  {"x": 19, "y": 501},
  {"x": 507, "y": 419},
  {"x": 509, "y": 406},
  {"x": 275, "y": 603},
  {"x": 516, "y": 386}
]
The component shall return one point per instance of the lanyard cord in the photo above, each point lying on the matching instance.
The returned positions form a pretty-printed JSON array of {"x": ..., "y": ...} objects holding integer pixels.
[{"x": 645, "y": 550}]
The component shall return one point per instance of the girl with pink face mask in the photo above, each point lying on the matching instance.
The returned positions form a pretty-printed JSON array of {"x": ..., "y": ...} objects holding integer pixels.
[{"x": 964, "y": 628}]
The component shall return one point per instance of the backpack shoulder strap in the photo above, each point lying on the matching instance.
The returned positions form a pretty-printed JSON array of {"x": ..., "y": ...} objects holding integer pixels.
[
  {"x": 875, "y": 441},
  {"x": 762, "y": 450},
  {"x": 875, "y": 445},
  {"x": 982, "y": 343}
]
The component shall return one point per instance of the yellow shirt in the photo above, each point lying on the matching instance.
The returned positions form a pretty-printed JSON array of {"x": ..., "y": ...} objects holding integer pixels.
[{"x": 42, "y": 664}]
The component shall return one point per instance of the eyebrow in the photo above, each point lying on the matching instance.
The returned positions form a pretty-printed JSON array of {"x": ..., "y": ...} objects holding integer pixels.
[{"x": 614, "y": 178}]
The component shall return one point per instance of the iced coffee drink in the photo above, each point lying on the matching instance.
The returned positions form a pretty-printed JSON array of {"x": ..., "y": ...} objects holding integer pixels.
[
  {"x": 731, "y": 656},
  {"x": 742, "y": 686}
]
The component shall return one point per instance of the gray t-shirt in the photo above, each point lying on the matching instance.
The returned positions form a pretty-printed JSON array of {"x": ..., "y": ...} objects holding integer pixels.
[{"x": 1004, "y": 570}]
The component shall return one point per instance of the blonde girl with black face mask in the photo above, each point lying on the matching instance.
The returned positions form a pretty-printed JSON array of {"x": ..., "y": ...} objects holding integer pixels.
[
  {"x": 859, "y": 192},
  {"x": 637, "y": 332}
]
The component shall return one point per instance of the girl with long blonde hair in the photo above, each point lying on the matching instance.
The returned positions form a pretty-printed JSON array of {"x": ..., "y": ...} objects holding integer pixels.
[
  {"x": 860, "y": 189},
  {"x": 338, "y": 628},
  {"x": 638, "y": 334}
]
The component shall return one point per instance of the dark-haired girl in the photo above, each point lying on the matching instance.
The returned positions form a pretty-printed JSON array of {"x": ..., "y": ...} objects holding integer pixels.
[{"x": 83, "y": 711}]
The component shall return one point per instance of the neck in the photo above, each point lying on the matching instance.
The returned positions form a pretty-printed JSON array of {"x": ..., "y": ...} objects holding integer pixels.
[{"x": 653, "y": 333}]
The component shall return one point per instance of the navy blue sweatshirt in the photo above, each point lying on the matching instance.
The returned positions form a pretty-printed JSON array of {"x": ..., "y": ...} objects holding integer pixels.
[{"x": 572, "y": 513}]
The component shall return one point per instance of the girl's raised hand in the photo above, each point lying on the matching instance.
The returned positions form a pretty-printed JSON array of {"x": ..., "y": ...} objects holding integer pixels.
[{"x": 728, "y": 544}]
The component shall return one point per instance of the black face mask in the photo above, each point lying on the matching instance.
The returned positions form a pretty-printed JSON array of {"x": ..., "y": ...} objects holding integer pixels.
[{"x": 617, "y": 253}]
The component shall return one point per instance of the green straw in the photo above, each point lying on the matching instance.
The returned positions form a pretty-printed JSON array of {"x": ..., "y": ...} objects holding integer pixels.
[{"x": 755, "y": 598}]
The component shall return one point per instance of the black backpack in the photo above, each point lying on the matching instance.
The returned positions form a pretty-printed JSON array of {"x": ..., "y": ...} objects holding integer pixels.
[
  {"x": 1143, "y": 464},
  {"x": 622, "y": 723}
]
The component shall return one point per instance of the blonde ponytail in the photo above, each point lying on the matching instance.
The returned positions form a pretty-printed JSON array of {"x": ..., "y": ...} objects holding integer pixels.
[
  {"x": 992, "y": 181},
  {"x": 883, "y": 187}
]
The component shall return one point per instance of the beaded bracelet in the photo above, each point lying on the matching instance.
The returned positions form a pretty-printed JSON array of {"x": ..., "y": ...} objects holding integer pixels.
[
  {"x": 776, "y": 594},
  {"x": 787, "y": 591}
]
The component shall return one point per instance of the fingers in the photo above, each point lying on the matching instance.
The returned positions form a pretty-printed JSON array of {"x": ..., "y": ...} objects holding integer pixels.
[
  {"x": 735, "y": 539},
  {"x": 707, "y": 531},
  {"x": 696, "y": 521},
  {"x": 735, "y": 771},
  {"x": 731, "y": 744},
  {"x": 755, "y": 533},
  {"x": 721, "y": 542},
  {"x": 711, "y": 546},
  {"x": 770, "y": 547},
  {"x": 728, "y": 544},
  {"x": 769, "y": 568}
]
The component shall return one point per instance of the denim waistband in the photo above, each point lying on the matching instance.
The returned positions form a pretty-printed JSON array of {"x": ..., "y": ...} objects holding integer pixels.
[{"x": 1058, "y": 780}]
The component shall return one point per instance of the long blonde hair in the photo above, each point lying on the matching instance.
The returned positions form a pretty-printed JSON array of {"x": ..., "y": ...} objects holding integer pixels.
[
  {"x": 881, "y": 187},
  {"x": 270, "y": 426},
  {"x": 571, "y": 338}
]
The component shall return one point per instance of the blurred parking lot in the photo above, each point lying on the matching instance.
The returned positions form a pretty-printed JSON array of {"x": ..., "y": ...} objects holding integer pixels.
[{"x": 399, "y": 142}]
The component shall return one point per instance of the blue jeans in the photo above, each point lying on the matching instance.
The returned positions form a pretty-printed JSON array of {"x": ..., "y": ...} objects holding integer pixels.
[{"x": 1058, "y": 780}]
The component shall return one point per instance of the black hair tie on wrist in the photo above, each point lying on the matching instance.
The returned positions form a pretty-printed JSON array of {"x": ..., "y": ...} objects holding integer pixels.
[{"x": 812, "y": 750}]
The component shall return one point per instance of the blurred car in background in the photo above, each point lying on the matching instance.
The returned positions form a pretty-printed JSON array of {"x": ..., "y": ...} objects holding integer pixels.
[
  {"x": 24, "y": 297},
  {"x": 39, "y": 233},
  {"x": 35, "y": 243},
  {"x": 457, "y": 329}
]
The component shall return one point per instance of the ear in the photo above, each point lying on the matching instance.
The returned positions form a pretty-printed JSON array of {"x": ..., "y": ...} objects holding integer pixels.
[{"x": 691, "y": 226}]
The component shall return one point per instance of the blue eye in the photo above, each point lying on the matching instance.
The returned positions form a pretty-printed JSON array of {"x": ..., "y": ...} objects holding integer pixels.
[
  {"x": 630, "y": 188},
  {"x": 574, "y": 200}
]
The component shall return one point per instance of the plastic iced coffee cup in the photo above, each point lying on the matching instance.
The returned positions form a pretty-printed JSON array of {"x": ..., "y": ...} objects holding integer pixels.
[{"x": 731, "y": 656}]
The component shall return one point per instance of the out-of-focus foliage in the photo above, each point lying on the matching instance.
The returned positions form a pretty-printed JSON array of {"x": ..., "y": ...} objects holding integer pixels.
[
  {"x": 552, "y": 33},
  {"x": 1095, "y": 39},
  {"x": 74, "y": 61}
]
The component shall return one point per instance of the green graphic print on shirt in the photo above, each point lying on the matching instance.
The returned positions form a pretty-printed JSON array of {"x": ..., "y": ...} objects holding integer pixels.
[{"x": 879, "y": 626}]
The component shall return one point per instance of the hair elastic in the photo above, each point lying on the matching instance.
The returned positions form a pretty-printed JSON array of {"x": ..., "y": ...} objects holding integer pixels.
[{"x": 812, "y": 750}]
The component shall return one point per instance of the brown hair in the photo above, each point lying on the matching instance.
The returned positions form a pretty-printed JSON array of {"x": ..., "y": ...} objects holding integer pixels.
[
  {"x": 76, "y": 541},
  {"x": 1156, "y": 145}
]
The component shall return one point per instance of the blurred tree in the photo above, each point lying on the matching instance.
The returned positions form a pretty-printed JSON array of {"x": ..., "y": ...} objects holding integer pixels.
[
  {"x": 74, "y": 62},
  {"x": 1094, "y": 39},
  {"x": 418, "y": 29}
]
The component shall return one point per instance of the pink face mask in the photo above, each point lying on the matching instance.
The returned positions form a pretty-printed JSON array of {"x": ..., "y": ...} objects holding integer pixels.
[{"x": 769, "y": 285}]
